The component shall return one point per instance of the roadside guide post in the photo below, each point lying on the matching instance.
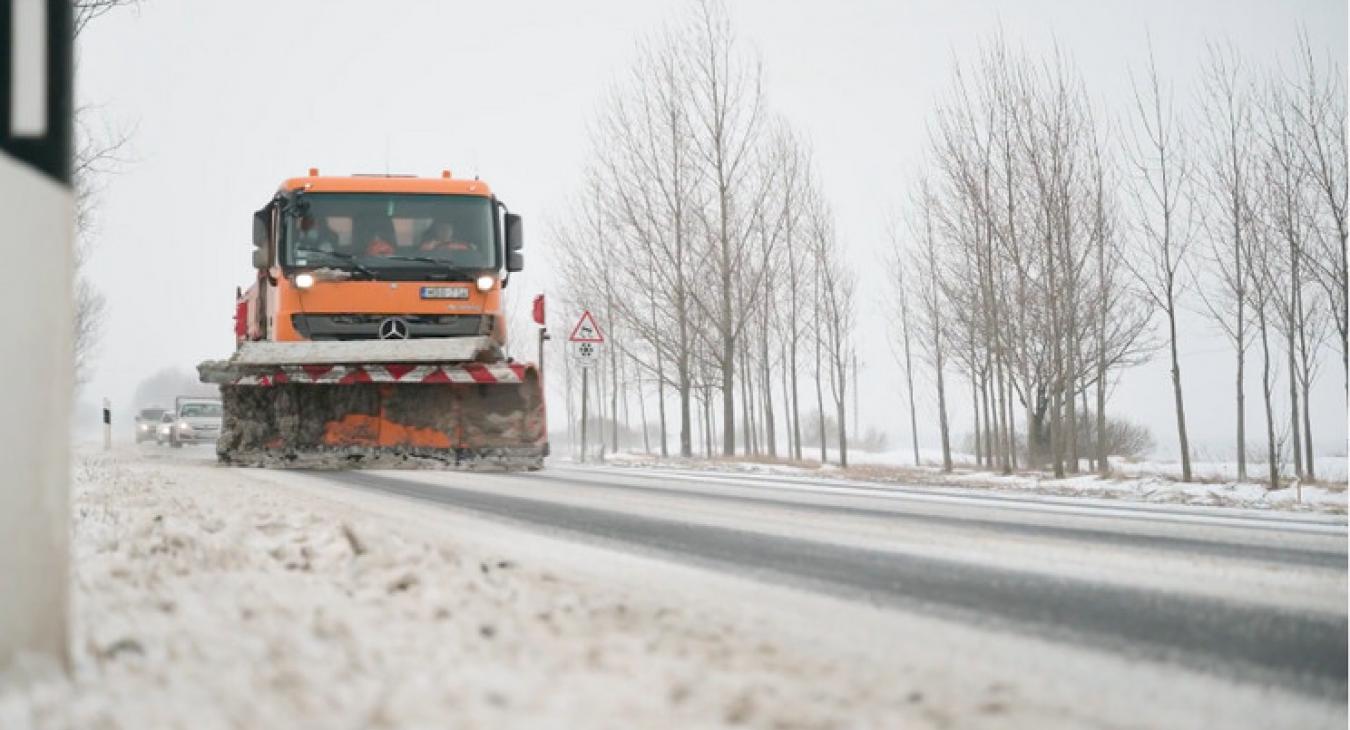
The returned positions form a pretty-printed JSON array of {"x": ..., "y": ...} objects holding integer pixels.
[
  {"x": 37, "y": 206},
  {"x": 585, "y": 341},
  {"x": 107, "y": 425}
]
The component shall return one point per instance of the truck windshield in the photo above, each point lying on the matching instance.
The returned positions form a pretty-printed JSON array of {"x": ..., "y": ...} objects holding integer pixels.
[{"x": 388, "y": 232}]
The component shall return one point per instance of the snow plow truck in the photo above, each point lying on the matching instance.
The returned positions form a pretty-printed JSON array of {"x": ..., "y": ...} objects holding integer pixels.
[{"x": 373, "y": 334}]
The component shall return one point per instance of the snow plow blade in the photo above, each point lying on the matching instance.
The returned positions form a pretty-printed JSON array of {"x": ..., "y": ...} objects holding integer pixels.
[{"x": 380, "y": 415}]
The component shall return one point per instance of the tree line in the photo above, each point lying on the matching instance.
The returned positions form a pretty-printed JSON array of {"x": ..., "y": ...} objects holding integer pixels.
[
  {"x": 701, "y": 240},
  {"x": 1049, "y": 243},
  {"x": 1053, "y": 242}
]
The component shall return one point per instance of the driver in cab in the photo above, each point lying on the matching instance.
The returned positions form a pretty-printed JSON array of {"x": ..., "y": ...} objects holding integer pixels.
[{"x": 440, "y": 236}]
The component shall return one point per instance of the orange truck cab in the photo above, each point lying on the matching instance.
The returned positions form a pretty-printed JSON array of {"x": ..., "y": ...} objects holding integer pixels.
[{"x": 371, "y": 257}]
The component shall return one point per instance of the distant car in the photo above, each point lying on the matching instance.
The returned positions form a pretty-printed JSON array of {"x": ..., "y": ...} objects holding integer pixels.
[
  {"x": 165, "y": 428},
  {"x": 197, "y": 421},
  {"x": 147, "y": 423}
]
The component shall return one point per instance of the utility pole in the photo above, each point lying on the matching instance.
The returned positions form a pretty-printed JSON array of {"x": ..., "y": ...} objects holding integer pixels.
[
  {"x": 37, "y": 206},
  {"x": 585, "y": 382}
]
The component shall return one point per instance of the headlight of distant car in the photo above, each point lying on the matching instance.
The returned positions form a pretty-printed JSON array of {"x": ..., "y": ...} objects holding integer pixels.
[
  {"x": 184, "y": 426},
  {"x": 144, "y": 426}
]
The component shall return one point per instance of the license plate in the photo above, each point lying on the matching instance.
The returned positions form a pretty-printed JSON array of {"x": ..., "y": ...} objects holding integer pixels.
[{"x": 445, "y": 292}]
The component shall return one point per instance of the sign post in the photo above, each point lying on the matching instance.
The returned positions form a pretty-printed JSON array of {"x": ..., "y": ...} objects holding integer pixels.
[
  {"x": 585, "y": 340},
  {"x": 37, "y": 206},
  {"x": 543, "y": 330}
]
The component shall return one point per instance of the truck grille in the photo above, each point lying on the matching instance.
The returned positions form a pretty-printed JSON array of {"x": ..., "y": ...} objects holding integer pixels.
[{"x": 329, "y": 327}]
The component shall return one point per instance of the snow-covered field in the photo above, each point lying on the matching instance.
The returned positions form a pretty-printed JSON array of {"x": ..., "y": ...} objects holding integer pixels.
[
  {"x": 1142, "y": 482},
  {"x": 205, "y": 598}
]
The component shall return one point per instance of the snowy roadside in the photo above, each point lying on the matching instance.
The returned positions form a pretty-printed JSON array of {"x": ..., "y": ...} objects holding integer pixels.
[
  {"x": 1154, "y": 488},
  {"x": 218, "y": 598},
  {"x": 203, "y": 598}
]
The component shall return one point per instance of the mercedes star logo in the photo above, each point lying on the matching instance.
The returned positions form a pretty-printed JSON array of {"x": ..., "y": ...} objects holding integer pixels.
[{"x": 393, "y": 328}]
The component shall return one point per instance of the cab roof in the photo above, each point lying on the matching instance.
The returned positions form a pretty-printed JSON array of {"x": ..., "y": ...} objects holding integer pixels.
[{"x": 386, "y": 184}]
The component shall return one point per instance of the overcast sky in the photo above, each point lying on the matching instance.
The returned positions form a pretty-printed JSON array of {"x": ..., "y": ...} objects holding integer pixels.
[{"x": 226, "y": 99}]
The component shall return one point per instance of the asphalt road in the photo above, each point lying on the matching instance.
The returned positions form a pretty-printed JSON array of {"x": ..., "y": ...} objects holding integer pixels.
[{"x": 1258, "y": 598}]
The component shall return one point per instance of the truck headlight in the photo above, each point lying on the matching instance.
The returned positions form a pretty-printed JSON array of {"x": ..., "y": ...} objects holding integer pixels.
[
  {"x": 485, "y": 282},
  {"x": 304, "y": 281}
]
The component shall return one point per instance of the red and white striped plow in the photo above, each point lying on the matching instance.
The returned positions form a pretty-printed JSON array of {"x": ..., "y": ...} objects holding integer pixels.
[{"x": 461, "y": 373}]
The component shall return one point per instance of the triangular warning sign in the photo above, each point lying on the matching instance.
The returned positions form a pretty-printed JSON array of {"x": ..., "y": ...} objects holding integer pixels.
[{"x": 586, "y": 330}]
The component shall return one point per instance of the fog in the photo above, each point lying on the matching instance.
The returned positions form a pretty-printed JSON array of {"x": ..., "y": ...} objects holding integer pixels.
[{"x": 222, "y": 101}]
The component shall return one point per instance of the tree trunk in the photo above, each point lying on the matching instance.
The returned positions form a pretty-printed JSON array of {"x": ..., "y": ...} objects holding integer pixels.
[
  {"x": 975, "y": 413},
  {"x": 820, "y": 398},
  {"x": 661, "y": 401},
  {"x": 1176, "y": 392},
  {"x": 1307, "y": 435},
  {"x": 747, "y": 410},
  {"x": 642, "y": 407},
  {"x": 787, "y": 410},
  {"x": 1294, "y": 424},
  {"x": 942, "y": 406},
  {"x": 840, "y": 400},
  {"x": 1103, "y": 465},
  {"x": 1241, "y": 389},
  {"x": 1012, "y": 422},
  {"x": 613, "y": 392},
  {"x": 796, "y": 400},
  {"x": 770, "y": 432},
  {"x": 1272, "y": 455},
  {"x": 990, "y": 435},
  {"x": 909, "y": 390},
  {"x": 1241, "y": 405}
]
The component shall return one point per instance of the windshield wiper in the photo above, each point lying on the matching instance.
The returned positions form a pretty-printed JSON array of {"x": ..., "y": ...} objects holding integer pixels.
[
  {"x": 343, "y": 256},
  {"x": 450, "y": 268}
]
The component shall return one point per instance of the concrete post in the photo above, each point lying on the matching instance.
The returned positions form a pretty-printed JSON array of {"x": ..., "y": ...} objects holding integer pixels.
[{"x": 37, "y": 206}]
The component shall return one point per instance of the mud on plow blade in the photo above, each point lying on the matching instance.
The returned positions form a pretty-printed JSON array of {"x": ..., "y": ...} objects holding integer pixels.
[{"x": 418, "y": 412}]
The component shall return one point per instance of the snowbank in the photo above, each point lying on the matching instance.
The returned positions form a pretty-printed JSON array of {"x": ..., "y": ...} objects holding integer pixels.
[{"x": 1144, "y": 482}]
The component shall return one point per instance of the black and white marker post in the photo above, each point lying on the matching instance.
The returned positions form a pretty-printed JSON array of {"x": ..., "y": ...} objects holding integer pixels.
[{"x": 37, "y": 211}]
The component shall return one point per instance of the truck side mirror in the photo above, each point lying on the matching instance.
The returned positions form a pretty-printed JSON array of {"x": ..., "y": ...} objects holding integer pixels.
[
  {"x": 515, "y": 260},
  {"x": 261, "y": 219},
  {"x": 260, "y": 258}
]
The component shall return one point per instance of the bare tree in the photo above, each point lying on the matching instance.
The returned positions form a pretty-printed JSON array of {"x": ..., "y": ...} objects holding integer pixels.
[
  {"x": 897, "y": 267},
  {"x": 931, "y": 318},
  {"x": 99, "y": 153},
  {"x": 1226, "y": 106},
  {"x": 726, "y": 99},
  {"x": 1165, "y": 214},
  {"x": 1320, "y": 112},
  {"x": 1262, "y": 275},
  {"x": 837, "y": 286}
]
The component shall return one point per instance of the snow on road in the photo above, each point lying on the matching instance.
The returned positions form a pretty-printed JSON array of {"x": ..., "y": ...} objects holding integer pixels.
[{"x": 207, "y": 597}]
